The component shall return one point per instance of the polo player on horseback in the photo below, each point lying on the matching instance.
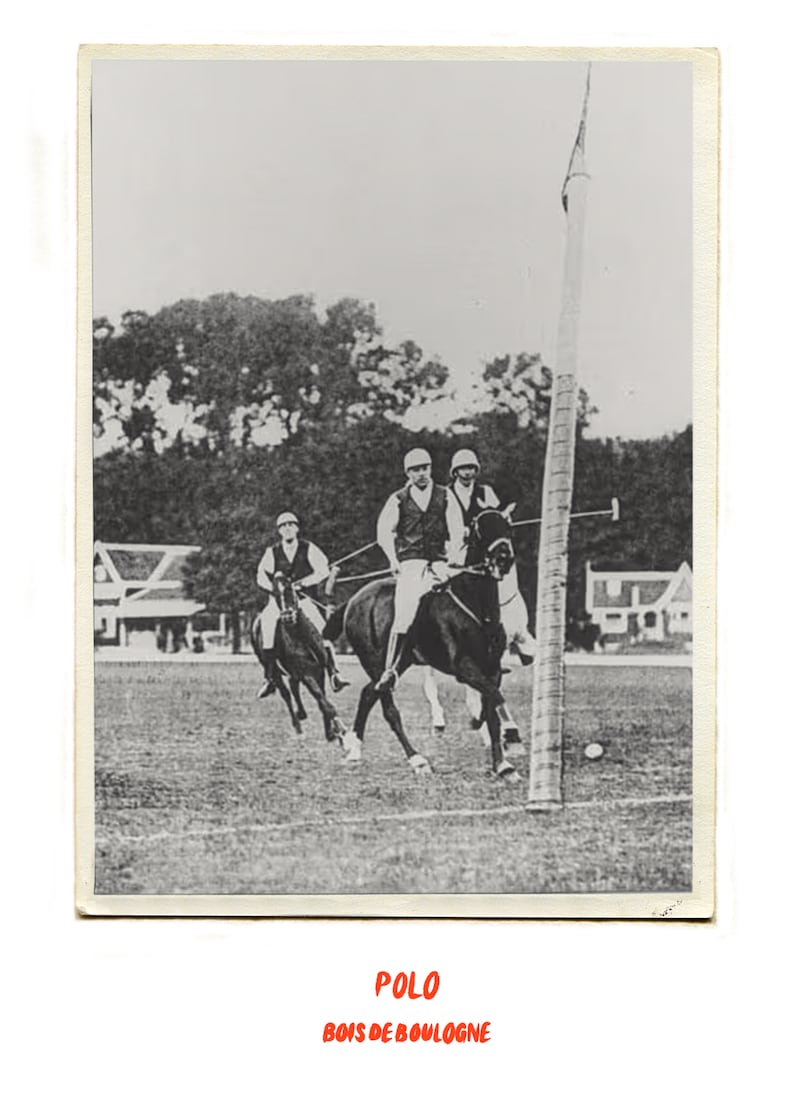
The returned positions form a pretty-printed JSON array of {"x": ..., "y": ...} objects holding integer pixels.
[
  {"x": 419, "y": 529},
  {"x": 304, "y": 564},
  {"x": 473, "y": 497}
]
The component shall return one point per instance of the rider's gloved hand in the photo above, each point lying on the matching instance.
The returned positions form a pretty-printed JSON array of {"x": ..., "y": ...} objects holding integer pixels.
[{"x": 439, "y": 571}]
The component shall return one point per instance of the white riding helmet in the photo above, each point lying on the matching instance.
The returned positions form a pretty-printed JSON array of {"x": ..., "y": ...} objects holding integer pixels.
[
  {"x": 416, "y": 457},
  {"x": 464, "y": 457},
  {"x": 287, "y": 518}
]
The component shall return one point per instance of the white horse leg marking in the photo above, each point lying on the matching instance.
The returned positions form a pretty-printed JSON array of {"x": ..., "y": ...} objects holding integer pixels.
[
  {"x": 419, "y": 764},
  {"x": 432, "y": 696},
  {"x": 352, "y": 747}
]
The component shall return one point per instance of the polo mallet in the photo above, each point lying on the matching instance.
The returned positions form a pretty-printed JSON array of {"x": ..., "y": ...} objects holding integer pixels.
[
  {"x": 612, "y": 513},
  {"x": 336, "y": 566},
  {"x": 347, "y": 557}
]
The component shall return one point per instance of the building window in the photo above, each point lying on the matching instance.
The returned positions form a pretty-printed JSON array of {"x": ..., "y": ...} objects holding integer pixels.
[
  {"x": 613, "y": 616},
  {"x": 649, "y": 619},
  {"x": 684, "y": 616},
  {"x": 613, "y": 587}
]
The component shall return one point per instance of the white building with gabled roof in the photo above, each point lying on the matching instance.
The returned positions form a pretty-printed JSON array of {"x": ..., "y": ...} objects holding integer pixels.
[
  {"x": 139, "y": 595},
  {"x": 641, "y": 605}
]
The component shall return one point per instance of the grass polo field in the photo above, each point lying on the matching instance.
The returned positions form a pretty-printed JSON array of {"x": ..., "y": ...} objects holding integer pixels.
[{"x": 202, "y": 789}]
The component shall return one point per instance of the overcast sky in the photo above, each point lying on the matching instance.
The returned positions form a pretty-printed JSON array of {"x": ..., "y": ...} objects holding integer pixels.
[{"x": 429, "y": 188}]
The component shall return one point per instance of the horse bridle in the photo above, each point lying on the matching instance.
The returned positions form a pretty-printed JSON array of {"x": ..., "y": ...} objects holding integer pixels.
[
  {"x": 286, "y": 599},
  {"x": 488, "y": 567},
  {"x": 502, "y": 543}
]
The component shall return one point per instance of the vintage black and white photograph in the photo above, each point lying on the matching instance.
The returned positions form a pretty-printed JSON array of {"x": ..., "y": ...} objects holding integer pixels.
[{"x": 397, "y": 504}]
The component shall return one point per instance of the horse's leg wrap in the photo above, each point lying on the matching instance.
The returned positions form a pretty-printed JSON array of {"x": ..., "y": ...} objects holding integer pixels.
[
  {"x": 419, "y": 764},
  {"x": 504, "y": 716},
  {"x": 507, "y": 772},
  {"x": 508, "y": 726},
  {"x": 352, "y": 746}
]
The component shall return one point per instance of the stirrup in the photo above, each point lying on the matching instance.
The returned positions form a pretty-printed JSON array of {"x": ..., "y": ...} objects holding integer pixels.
[
  {"x": 386, "y": 680},
  {"x": 338, "y": 683},
  {"x": 267, "y": 689}
]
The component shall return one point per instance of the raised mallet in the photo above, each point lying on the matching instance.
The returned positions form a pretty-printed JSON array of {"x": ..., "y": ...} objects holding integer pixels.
[{"x": 612, "y": 513}]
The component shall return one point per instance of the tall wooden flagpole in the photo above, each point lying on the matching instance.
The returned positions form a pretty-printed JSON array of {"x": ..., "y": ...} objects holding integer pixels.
[{"x": 546, "y": 766}]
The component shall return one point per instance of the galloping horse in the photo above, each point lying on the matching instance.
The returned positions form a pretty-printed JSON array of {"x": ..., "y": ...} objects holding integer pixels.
[
  {"x": 457, "y": 630},
  {"x": 300, "y": 655}
]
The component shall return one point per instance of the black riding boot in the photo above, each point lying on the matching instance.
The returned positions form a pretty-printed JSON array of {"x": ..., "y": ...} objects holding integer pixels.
[
  {"x": 338, "y": 683},
  {"x": 270, "y": 674}
]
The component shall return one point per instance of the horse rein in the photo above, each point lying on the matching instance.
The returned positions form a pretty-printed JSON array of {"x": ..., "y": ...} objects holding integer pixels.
[
  {"x": 478, "y": 568},
  {"x": 464, "y": 608}
]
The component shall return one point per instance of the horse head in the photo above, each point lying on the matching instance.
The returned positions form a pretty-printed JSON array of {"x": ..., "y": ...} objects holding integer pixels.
[
  {"x": 286, "y": 598},
  {"x": 489, "y": 542}
]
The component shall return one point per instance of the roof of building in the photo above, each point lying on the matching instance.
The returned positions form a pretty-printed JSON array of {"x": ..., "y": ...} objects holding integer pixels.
[
  {"x": 657, "y": 588},
  {"x": 135, "y": 565},
  {"x": 170, "y": 591},
  {"x": 143, "y": 562},
  {"x": 147, "y": 578}
]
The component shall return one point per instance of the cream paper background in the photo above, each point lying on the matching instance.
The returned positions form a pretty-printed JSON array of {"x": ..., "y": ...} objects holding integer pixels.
[
  {"x": 207, "y": 1012},
  {"x": 697, "y": 904}
]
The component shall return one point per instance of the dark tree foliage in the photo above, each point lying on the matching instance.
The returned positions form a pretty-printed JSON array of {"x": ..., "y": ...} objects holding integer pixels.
[
  {"x": 653, "y": 480},
  {"x": 149, "y": 498},
  {"x": 337, "y": 482},
  {"x": 339, "y": 394}
]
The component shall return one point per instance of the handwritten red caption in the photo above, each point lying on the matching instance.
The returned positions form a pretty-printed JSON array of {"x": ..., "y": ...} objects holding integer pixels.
[{"x": 405, "y": 985}]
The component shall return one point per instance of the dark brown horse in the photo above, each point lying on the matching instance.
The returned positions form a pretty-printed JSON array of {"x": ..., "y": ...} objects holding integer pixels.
[
  {"x": 457, "y": 631},
  {"x": 301, "y": 660}
]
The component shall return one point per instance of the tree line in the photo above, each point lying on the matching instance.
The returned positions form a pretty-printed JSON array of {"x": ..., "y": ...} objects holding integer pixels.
[{"x": 211, "y": 417}]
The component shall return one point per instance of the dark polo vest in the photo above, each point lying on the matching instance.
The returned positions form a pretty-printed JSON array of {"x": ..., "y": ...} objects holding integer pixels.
[
  {"x": 421, "y": 534},
  {"x": 477, "y": 501},
  {"x": 300, "y": 566}
]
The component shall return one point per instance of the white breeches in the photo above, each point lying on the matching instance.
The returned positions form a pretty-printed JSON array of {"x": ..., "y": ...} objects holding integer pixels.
[
  {"x": 413, "y": 582},
  {"x": 271, "y": 612}
]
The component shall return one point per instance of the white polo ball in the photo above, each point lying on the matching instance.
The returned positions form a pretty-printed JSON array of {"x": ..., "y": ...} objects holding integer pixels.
[{"x": 593, "y": 751}]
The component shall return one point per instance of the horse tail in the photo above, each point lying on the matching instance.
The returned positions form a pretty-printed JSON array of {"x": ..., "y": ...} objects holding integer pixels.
[{"x": 335, "y": 623}]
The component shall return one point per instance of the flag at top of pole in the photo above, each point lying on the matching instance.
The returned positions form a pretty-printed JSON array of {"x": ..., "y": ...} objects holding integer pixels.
[
  {"x": 545, "y": 790},
  {"x": 577, "y": 166}
]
